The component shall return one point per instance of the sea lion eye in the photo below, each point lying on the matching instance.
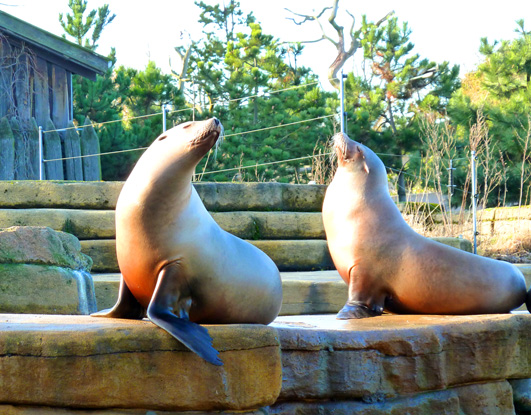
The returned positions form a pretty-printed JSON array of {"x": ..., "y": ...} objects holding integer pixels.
[
  {"x": 162, "y": 137},
  {"x": 188, "y": 124}
]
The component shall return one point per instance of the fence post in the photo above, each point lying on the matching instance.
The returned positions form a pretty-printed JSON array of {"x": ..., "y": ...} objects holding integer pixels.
[
  {"x": 474, "y": 200},
  {"x": 342, "y": 101},
  {"x": 41, "y": 152},
  {"x": 163, "y": 117}
]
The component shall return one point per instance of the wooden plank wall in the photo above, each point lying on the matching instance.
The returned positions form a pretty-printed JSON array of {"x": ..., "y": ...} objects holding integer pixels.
[{"x": 35, "y": 92}]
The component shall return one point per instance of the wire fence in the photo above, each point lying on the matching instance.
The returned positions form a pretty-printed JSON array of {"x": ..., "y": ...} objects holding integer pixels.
[{"x": 167, "y": 111}]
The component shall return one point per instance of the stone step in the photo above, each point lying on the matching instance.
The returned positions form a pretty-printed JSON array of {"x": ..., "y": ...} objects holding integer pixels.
[
  {"x": 220, "y": 197},
  {"x": 100, "y": 224},
  {"x": 312, "y": 292},
  {"x": 288, "y": 255},
  {"x": 98, "y": 363},
  {"x": 297, "y": 365}
]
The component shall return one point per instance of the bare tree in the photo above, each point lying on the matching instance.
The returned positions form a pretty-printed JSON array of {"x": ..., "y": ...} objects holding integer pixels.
[{"x": 342, "y": 54}]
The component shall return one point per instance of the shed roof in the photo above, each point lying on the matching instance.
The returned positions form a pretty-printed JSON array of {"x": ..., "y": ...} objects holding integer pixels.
[{"x": 56, "y": 49}]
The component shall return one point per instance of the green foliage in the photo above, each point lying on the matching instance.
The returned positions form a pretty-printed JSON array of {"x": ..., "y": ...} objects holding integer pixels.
[
  {"x": 238, "y": 60},
  {"x": 79, "y": 27},
  {"x": 500, "y": 90}
]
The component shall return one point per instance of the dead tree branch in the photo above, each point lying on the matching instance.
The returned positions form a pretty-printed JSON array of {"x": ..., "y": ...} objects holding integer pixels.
[{"x": 342, "y": 54}]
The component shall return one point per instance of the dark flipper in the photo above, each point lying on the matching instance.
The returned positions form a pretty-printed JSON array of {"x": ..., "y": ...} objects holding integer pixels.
[
  {"x": 358, "y": 310},
  {"x": 127, "y": 306},
  {"x": 167, "y": 294}
]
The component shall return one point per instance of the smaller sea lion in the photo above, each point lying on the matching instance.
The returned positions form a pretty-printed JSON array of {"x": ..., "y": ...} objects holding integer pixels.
[{"x": 389, "y": 266}]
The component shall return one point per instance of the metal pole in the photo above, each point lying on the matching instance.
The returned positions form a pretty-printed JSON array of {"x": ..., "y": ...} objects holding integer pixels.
[
  {"x": 163, "y": 117},
  {"x": 342, "y": 101},
  {"x": 41, "y": 156},
  {"x": 474, "y": 200}
]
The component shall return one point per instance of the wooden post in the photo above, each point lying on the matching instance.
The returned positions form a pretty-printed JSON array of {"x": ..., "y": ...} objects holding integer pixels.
[
  {"x": 42, "y": 92},
  {"x": 20, "y": 149},
  {"x": 52, "y": 150},
  {"x": 32, "y": 150},
  {"x": 90, "y": 144},
  {"x": 72, "y": 148},
  {"x": 7, "y": 151}
]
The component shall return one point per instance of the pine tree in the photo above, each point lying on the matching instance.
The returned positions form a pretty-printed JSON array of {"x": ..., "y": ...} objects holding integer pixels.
[
  {"x": 396, "y": 84},
  {"x": 77, "y": 26},
  {"x": 500, "y": 89}
]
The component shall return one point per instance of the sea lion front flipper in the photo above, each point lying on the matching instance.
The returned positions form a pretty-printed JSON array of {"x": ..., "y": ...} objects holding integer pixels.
[
  {"x": 167, "y": 294},
  {"x": 359, "y": 310},
  {"x": 126, "y": 306},
  {"x": 361, "y": 303}
]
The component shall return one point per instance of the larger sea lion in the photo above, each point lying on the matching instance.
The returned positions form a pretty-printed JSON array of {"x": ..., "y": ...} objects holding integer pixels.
[
  {"x": 177, "y": 264},
  {"x": 389, "y": 266}
]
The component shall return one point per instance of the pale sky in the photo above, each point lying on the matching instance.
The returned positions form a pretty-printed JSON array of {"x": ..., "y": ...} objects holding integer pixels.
[{"x": 449, "y": 30}]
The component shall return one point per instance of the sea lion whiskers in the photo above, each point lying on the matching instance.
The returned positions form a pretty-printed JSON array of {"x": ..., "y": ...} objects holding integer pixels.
[{"x": 338, "y": 142}]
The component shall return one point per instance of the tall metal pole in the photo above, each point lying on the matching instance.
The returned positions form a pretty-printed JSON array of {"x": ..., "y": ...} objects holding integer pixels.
[
  {"x": 474, "y": 199},
  {"x": 163, "y": 117},
  {"x": 41, "y": 155},
  {"x": 342, "y": 101}
]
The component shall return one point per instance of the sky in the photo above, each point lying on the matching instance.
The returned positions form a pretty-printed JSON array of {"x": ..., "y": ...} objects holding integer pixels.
[{"x": 144, "y": 30}]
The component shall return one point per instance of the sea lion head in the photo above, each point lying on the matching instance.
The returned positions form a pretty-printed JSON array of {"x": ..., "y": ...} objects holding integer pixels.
[
  {"x": 357, "y": 159},
  {"x": 194, "y": 137}
]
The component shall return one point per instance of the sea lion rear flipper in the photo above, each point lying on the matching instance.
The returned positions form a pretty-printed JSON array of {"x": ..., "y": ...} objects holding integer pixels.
[
  {"x": 126, "y": 306},
  {"x": 160, "y": 311}
]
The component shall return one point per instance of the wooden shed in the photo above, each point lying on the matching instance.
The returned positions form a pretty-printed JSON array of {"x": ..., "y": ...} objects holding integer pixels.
[{"x": 36, "y": 70}]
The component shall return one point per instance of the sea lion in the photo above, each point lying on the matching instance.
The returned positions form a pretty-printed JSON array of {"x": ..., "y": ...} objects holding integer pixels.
[
  {"x": 177, "y": 264},
  {"x": 389, "y": 266}
]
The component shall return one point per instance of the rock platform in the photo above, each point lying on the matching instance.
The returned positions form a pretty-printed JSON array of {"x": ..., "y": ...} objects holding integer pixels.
[{"x": 393, "y": 364}]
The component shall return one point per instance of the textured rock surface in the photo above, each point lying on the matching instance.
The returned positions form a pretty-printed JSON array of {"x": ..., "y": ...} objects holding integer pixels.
[
  {"x": 381, "y": 358},
  {"x": 40, "y": 410},
  {"x": 26, "y": 288},
  {"x": 44, "y": 271},
  {"x": 485, "y": 399},
  {"x": 43, "y": 246},
  {"x": 109, "y": 363}
]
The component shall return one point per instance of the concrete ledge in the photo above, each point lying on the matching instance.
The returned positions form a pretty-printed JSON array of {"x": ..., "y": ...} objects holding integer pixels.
[
  {"x": 220, "y": 197},
  {"x": 59, "y": 194},
  {"x": 84, "y": 224},
  {"x": 300, "y": 255},
  {"x": 311, "y": 292},
  {"x": 100, "y": 224},
  {"x": 88, "y": 362},
  {"x": 303, "y": 292},
  {"x": 383, "y": 358}
]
